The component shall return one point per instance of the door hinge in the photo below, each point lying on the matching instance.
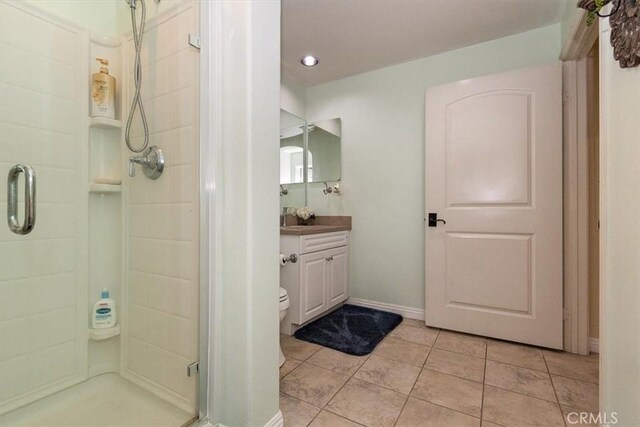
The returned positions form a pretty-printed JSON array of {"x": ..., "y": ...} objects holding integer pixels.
[
  {"x": 193, "y": 369},
  {"x": 566, "y": 314},
  {"x": 194, "y": 41},
  {"x": 565, "y": 97}
]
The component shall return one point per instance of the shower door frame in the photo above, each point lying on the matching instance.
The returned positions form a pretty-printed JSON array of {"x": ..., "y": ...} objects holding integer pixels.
[{"x": 209, "y": 148}]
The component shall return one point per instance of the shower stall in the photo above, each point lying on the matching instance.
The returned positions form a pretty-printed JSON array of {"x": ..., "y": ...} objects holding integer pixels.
[{"x": 81, "y": 220}]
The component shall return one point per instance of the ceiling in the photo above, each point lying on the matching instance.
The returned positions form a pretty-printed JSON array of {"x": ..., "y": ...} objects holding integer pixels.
[{"x": 354, "y": 36}]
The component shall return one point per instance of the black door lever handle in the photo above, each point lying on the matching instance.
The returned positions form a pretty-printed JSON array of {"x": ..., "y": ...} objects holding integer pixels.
[{"x": 432, "y": 220}]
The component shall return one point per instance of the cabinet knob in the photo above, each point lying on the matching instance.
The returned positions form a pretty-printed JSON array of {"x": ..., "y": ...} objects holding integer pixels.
[{"x": 329, "y": 258}]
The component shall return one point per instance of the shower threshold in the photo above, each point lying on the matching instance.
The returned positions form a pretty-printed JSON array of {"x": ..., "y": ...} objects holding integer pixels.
[{"x": 105, "y": 400}]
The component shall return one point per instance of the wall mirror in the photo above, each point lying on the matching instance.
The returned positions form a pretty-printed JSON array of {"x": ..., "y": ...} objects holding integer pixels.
[
  {"x": 324, "y": 151},
  {"x": 308, "y": 153},
  {"x": 293, "y": 135},
  {"x": 292, "y": 139}
]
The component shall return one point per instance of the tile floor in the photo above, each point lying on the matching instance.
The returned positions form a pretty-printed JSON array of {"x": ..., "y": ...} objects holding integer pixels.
[{"x": 419, "y": 376}]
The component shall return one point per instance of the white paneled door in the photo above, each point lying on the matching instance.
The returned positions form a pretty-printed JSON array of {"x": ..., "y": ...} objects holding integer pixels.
[{"x": 493, "y": 242}]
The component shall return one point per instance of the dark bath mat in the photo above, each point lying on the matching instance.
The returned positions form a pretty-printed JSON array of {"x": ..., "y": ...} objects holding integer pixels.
[{"x": 350, "y": 329}]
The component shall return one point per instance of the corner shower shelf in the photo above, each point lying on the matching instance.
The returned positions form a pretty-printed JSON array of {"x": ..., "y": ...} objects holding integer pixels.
[
  {"x": 104, "y": 334},
  {"x": 104, "y": 188},
  {"x": 104, "y": 123}
]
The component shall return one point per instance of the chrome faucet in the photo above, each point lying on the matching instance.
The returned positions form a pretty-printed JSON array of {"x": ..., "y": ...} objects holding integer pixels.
[
  {"x": 284, "y": 216},
  {"x": 141, "y": 160},
  {"x": 335, "y": 189},
  {"x": 152, "y": 162},
  {"x": 327, "y": 189}
]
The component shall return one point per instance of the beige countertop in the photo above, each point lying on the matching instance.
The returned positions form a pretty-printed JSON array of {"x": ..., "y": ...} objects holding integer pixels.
[
  {"x": 303, "y": 230},
  {"x": 321, "y": 224}
]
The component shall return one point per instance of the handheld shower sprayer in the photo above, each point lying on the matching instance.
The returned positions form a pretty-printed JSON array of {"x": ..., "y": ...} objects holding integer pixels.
[
  {"x": 152, "y": 159},
  {"x": 137, "y": 78}
]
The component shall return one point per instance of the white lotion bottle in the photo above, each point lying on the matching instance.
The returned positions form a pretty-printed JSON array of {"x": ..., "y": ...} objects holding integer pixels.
[{"x": 104, "y": 312}]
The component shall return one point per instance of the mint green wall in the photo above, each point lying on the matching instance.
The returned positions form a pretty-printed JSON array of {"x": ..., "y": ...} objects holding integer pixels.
[
  {"x": 383, "y": 156},
  {"x": 568, "y": 18},
  {"x": 293, "y": 98}
]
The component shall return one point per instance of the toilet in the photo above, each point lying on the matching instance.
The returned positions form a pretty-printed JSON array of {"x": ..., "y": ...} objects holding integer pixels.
[{"x": 284, "y": 305}]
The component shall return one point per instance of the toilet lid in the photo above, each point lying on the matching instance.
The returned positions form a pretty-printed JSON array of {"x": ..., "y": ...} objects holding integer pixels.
[{"x": 283, "y": 294}]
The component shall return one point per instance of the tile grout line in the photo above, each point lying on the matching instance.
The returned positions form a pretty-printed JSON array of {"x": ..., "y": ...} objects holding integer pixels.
[
  {"x": 574, "y": 379},
  {"x": 518, "y": 392},
  {"x": 302, "y": 362},
  {"x": 416, "y": 380},
  {"x": 484, "y": 380},
  {"x": 546, "y": 371},
  {"x": 449, "y": 409},
  {"x": 454, "y": 375},
  {"x": 339, "y": 390},
  {"x": 553, "y": 386},
  {"x": 433, "y": 403}
]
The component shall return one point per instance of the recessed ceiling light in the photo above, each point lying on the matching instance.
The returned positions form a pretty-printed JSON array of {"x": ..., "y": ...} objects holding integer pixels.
[{"x": 309, "y": 61}]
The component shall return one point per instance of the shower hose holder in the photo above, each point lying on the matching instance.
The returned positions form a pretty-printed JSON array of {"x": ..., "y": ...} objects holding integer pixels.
[{"x": 152, "y": 162}]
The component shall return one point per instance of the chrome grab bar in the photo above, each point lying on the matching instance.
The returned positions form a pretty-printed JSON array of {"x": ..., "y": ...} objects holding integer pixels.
[{"x": 29, "y": 199}]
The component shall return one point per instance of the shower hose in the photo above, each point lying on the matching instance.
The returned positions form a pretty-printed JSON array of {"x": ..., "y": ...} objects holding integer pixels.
[{"x": 137, "y": 79}]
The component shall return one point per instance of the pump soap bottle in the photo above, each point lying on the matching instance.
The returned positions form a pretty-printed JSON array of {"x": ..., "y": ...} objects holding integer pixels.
[
  {"x": 104, "y": 312},
  {"x": 103, "y": 92}
]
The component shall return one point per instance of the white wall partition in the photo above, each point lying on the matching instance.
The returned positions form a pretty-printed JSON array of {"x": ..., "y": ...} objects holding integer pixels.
[
  {"x": 161, "y": 299},
  {"x": 620, "y": 236},
  {"x": 43, "y": 275}
]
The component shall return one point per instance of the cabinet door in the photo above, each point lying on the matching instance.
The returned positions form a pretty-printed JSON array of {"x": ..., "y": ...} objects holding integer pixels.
[
  {"x": 313, "y": 280},
  {"x": 338, "y": 283}
]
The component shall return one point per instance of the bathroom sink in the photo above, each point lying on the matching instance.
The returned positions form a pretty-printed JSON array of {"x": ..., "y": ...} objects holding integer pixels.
[{"x": 312, "y": 229}]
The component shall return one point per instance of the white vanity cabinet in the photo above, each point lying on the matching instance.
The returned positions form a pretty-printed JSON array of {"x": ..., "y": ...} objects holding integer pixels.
[{"x": 319, "y": 280}]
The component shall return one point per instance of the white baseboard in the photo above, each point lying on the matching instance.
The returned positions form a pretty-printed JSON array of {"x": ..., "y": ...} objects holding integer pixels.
[
  {"x": 408, "y": 312},
  {"x": 418, "y": 314},
  {"x": 276, "y": 421}
]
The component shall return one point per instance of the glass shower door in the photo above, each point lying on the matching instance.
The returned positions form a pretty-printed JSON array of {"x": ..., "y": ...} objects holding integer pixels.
[
  {"x": 73, "y": 223},
  {"x": 43, "y": 231}
]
